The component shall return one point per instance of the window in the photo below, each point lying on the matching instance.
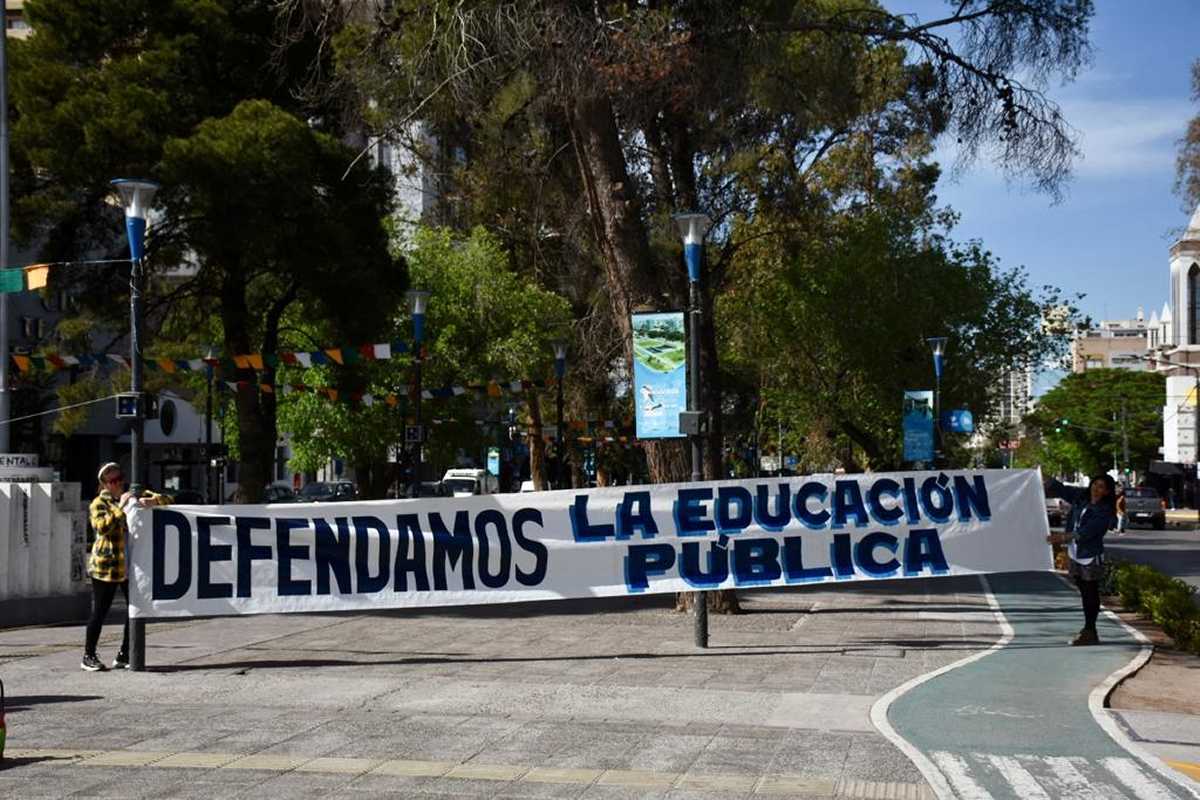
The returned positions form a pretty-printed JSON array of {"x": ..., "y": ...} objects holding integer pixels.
[
  {"x": 1193, "y": 298},
  {"x": 1095, "y": 363}
]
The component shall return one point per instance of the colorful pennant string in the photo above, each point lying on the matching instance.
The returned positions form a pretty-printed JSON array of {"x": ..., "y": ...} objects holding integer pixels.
[
  {"x": 37, "y": 276},
  {"x": 255, "y": 361}
]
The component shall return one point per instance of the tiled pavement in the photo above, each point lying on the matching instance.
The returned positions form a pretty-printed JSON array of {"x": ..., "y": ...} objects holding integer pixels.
[{"x": 595, "y": 699}]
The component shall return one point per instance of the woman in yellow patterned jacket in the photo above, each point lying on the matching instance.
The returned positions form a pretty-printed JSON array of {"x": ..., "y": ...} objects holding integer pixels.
[{"x": 106, "y": 564}]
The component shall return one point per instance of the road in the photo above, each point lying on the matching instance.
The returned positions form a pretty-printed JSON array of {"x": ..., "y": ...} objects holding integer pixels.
[{"x": 1175, "y": 552}]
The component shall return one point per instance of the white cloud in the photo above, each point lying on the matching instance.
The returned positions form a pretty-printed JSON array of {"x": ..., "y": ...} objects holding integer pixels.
[{"x": 1124, "y": 137}]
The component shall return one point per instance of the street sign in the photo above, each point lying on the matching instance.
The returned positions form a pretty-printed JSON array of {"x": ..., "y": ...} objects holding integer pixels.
[
  {"x": 493, "y": 461},
  {"x": 958, "y": 420},
  {"x": 769, "y": 463},
  {"x": 918, "y": 425},
  {"x": 127, "y": 405}
]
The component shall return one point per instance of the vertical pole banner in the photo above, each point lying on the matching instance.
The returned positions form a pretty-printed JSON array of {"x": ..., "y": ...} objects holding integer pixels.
[
  {"x": 659, "y": 374},
  {"x": 251, "y": 559},
  {"x": 918, "y": 425}
]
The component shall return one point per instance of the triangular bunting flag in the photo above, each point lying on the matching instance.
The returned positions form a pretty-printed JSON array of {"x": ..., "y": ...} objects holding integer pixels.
[
  {"x": 383, "y": 351},
  {"x": 255, "y": 361},
  {"x": 12, "y": 280},
  {"x": 37, "y": 276},
  {"x": 335, "y": 353},
  {"x": 23, "y": 362}
]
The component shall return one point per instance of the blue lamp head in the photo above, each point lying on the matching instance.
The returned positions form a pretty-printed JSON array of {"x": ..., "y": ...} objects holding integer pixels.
[
  {"x": 560, "y": 358},
  {"x": 693, "y": 227},
  {"x": 136, "y": 197},
  {"x": 938, "y": 345},
  {"x": 418, "y": 300}
]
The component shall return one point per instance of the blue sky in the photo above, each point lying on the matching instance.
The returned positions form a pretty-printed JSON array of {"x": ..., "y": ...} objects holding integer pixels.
[{"x": 1109, "y": 236}]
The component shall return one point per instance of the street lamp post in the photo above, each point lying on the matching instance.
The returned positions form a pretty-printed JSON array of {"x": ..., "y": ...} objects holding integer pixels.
[
  {"x": 209, "y": 358},
  {"x": 136, "y": 197},
  {"x": 560, "y": 370},
  {"x": 938, "y": 345},
  {"x": 693, "y": 227},
  {"x": 418, "y": 300}
]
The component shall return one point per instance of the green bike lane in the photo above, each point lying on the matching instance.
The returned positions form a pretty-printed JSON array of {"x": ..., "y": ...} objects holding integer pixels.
[{"x": 1018, "y": 721}]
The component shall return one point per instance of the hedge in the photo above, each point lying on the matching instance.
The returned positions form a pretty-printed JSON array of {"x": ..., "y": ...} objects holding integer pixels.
[{"x": 1166, "y": 600}]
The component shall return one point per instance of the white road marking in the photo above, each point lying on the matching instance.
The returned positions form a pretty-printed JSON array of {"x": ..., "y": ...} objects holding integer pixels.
[
  {"x": 1024, "y": 784},
  {"x": 1069, "y": 781},
  {"x": 955, "y": 769},
  {"x": 1142, "y": 786}
]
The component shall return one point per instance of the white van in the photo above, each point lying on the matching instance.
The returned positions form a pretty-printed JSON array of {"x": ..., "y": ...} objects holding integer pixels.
[{"x": 467, "y": 482}]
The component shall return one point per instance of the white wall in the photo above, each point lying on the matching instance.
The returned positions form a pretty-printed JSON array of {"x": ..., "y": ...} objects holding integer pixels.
[
  {"x": 43, "y": 540},
  {"x": 1179, "y": 421}
]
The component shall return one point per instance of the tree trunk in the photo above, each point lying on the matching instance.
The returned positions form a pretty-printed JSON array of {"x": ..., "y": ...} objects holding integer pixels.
[
  {"x": 256, "y": 442},
  {"x": 621, "y": 234},
  {"x": 723, "y": 602},
  {"x": 537, "y": 444},
  {"x": 710, "y": 396}
]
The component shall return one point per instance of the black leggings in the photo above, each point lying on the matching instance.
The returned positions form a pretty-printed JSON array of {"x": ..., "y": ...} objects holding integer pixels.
[
  {"x": 103, "y": 593},
  {"x": 1090, "y": 591}
]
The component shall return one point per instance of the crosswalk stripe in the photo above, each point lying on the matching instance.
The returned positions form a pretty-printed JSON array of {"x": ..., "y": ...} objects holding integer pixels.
[
  {"x": 955, "y": 770},
  {"x": 1131, "y": 775},
  {"x": 1071, "y": 784},
  {"x": 1024, "y": 784}
]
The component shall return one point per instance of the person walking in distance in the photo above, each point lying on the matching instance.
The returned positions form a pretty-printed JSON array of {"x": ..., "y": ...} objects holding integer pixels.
[
  {"x": 1122, "y": 517},
  {"x": 1093, "y": 513},
  {"x": 106, "y": 563}
]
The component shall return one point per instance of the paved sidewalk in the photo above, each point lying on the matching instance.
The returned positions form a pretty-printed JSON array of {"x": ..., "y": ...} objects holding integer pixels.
[{"x": 595, "y": 699}]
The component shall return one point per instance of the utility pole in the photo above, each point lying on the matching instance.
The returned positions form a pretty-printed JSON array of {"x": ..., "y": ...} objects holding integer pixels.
[
  {"x": 5, "y": 390},
  {"x": 1125, "y": 431}
]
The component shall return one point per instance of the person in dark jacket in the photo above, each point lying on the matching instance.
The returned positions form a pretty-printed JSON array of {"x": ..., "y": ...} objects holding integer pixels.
[{"x": 1093, "y": 514}]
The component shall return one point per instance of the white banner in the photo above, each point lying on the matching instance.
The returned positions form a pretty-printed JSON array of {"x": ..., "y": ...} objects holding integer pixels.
[{"x": 217, "y": 560}]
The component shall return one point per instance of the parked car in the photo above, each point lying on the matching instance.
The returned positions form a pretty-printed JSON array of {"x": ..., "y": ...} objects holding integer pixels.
[
  {"x": 1057, "y": 511},
  {"x": 328, "y": 492},
  {"x": 1142, "y": 504},
  {"x": 279, "y": 493},
  {"x": 429, "y": 489},
  {"x": 467, "y": 482}
]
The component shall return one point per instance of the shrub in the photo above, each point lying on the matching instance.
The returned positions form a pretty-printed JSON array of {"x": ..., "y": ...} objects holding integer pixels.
[{"x": 1168, "y": 601}]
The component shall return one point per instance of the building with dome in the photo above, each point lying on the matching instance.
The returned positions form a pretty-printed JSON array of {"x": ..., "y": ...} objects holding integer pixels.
[{"x": 1178, "y": 355}]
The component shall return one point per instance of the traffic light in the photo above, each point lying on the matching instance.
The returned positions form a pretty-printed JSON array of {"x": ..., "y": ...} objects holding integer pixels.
[{"x": 1062, "y": 423}]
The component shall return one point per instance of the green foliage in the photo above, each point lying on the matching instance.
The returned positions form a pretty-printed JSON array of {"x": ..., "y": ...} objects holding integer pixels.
[
  {"x": 484, "y": 321},
  {"x": 1168, "y": 601},
  {"x": 1092, "y": 402},
  {"x": 256, "y": 194},
  {"x": 834, "y": 326}
]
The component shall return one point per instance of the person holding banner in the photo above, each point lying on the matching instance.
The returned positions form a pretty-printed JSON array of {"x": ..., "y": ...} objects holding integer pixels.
[
  {"x": 106, "y": 563},
  {"x": 1093, "y": 514}
]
